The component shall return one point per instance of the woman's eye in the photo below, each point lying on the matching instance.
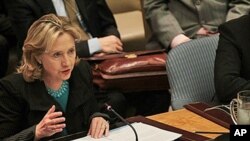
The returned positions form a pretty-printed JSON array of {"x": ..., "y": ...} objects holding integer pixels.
[
  {"x": 56, "y": 55},
  {"x": 71, "y": 51}
]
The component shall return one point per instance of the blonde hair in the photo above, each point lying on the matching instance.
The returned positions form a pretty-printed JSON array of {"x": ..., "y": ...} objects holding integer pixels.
[{"x": 40, "y": 38}]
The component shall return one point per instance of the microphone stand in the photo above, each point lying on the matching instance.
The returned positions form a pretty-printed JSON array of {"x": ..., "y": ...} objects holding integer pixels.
[{"x": 109, "y": 108}]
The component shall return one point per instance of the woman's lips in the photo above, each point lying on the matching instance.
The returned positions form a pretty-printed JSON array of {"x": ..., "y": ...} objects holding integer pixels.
[{"x": 66, "y": 71}]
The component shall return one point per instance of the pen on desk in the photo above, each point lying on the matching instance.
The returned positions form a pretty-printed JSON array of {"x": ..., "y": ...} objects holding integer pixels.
[{"x": 210, "y": 132}]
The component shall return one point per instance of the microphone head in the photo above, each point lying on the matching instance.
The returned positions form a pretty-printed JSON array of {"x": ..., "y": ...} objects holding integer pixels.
[{"x": 108, "y": 107}]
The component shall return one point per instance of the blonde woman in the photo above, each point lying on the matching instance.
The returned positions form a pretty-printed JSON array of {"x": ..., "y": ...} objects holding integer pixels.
[{"x": 51, "y": 95}]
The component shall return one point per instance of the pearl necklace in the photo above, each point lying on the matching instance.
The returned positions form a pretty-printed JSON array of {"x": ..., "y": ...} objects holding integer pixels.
[{"x": 61, "y": 91}]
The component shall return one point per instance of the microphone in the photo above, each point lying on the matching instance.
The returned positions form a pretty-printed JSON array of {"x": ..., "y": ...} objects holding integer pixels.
[{"x": 109, "y": 108}]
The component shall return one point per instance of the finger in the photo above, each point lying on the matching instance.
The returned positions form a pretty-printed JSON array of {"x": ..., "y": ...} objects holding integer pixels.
[
  {"x": 51, "y": 110},
  {"x": 50, "y": 119},
  {"x": 54, "y": 131},
  {"x": 43, "y": 122},
  {"x": 89, "y": 132},
  {"x": 118, "y": 41},
  {"x": 119, "y": 48},
  {"x": 115, "y": 49},
  {"x": 60, "y": 126},
  {"x": 93, "y": 128},
  {"x": 59, "y": 120},
  {"x": 55, "y": 115},
  {"x": 55, "y": 121},
  {"x": 58, "y": 130},
  {"x": 101, "y": 131},
  {"x": 56, "y": 126},
  {"x": 50, "y": 123},
  {"x": 107, "y": 129},
  {"x": 98, "y": 128}
]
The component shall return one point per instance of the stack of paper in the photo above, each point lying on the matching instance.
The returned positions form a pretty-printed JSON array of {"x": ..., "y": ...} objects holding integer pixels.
[{"x": 145, "y": 132}]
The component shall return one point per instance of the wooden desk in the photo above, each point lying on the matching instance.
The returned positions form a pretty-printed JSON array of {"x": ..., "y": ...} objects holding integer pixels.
[{"x": 189, "y": 121}]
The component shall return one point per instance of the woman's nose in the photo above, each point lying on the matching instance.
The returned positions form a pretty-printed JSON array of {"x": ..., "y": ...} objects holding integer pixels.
[{"x": 65, "y": 60}]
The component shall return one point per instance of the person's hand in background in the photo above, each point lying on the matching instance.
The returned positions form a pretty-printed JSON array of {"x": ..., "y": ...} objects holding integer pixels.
[
  {"x": 179, "y": 39},
  {"x": 110, "y": 44}
]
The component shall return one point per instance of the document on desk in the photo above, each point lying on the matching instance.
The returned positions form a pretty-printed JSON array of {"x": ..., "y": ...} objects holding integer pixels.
[{"x": 145, "y": 133}]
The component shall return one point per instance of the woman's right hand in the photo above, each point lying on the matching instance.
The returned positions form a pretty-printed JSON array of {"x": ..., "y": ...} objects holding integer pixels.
[{"x": 52, "y": 123}]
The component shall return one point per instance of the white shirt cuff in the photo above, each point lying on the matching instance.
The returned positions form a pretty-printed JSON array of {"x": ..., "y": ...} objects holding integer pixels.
[{"x": 94, "y": 45}]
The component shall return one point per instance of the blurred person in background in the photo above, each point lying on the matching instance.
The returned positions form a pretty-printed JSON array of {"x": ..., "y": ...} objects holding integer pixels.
[
  {"x": 232, "y": 62},
  {"x": 177, "y": 21}
]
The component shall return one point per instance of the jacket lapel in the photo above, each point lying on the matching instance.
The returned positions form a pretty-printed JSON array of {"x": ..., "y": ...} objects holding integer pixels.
[
  {"x": 38, "y": 97},
  {"x": 79, "y": 93},
  {"x": 82, "y": 7}
]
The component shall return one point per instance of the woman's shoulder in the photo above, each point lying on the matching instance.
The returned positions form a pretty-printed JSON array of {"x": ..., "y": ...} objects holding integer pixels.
[
  {"x": 82, "y": 73},
  {"x": 82, "y": 65},
  {"x": 15, "y": 78},
  {"x": 82, "y": 69},
  {"x": 12, "y": 82}
]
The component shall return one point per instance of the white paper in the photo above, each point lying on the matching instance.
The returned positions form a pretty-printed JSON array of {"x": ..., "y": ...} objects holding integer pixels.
[{"x": 145, "y": 132}]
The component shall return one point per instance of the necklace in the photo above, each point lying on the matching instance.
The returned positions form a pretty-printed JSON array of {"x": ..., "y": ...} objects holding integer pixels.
[{"x": 61, "y": 91}]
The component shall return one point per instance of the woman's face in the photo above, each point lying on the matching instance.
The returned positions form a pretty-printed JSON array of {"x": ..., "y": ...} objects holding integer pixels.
[{"x": 59, "y": 62}]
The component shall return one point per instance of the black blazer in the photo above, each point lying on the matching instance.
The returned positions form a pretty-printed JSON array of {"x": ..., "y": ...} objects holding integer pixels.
[
  {"x": 23, "y": 104},
  {"x": 232, "y": 63},
  {"x": 97, "y": 16}
]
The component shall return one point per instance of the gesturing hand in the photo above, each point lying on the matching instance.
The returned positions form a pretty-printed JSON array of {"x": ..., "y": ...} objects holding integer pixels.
[
  {"x": 52, "y": 123},
  {"x": 98, "y": 127}
]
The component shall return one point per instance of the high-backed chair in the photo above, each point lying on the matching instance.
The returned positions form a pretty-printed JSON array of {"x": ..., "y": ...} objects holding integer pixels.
[
  {"x": 131, "y": 23},
  {"x": 190, "y": 68}
]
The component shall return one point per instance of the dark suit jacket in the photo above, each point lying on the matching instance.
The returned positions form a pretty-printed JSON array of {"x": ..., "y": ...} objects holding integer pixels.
[
  {"x": 23, "y": 104},
  {"x": 232, "y": 64},
  {"x": 95, "y": 13}
]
